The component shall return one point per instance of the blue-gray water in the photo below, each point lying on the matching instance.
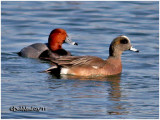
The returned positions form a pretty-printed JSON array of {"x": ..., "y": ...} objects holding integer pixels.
[{"x": 133, "y": 94}]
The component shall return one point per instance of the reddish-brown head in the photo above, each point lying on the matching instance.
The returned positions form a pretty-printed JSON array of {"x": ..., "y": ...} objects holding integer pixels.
[{"x": 57, "y": 38}]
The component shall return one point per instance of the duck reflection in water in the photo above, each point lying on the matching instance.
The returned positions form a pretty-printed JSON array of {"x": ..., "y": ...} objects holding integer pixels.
[{"x": 117, "y": 107}]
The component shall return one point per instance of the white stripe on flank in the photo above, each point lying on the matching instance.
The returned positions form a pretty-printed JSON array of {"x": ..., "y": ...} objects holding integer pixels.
[
  {"x": 64, "y": 71},
  {"x": 95, "y": 67}
]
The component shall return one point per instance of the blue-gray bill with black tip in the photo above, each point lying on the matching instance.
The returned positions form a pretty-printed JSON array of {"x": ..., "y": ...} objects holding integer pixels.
[
  {"x": 69, "y": 41},
  {"x": 133, "y": 49}
]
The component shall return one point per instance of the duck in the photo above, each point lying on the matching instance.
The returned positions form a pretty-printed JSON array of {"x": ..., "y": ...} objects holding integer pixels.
[
  {"x": 53, "y": 49},
  {"x": 92, "y": 65}
]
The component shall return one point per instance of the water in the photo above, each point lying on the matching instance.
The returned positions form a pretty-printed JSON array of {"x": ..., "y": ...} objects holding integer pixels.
[{"x": 133, "y": 94}]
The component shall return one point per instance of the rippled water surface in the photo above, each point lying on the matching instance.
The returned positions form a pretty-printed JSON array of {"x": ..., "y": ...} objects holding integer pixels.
[{"x": 133, "y": 94}]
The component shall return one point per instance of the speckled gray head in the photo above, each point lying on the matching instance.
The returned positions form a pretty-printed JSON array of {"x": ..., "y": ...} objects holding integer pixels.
[
  {"x": 131, "y": 48},
  {"x": 120, "y": 44}
]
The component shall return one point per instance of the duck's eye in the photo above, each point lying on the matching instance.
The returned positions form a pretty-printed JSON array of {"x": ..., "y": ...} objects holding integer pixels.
[{"x": 124, "y": 41}]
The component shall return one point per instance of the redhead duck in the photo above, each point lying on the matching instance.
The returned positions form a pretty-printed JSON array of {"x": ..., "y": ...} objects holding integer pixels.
[
  {"x": 52, "y": 49},
  {"x": 94, "y": 66}
]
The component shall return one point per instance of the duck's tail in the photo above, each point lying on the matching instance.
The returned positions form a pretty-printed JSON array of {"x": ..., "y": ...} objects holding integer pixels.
[
  {"x": 19, "y": 53},
  {"x": 51, "y": 68}
]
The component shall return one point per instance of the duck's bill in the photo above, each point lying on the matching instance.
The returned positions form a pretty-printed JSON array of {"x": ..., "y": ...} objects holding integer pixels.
[
  {"x": 69, "y": 41},
  {"x": 134, "y": 49}
]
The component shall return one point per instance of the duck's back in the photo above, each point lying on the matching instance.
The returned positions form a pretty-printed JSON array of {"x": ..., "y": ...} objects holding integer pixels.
[{"x": 34, "y": 50}]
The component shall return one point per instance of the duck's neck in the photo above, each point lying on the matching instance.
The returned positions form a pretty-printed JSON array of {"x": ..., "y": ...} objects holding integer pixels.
[
  {"x": 55, "y": 46},
  {"x": 114, "y": 52},
  {"x": 114, "y": 59},
  {"x": 54, "y": 43},
  {"x": 114, "y": 64}
]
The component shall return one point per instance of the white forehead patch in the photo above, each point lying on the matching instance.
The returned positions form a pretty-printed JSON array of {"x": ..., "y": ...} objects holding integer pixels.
[{"x": 125, "y": 37}]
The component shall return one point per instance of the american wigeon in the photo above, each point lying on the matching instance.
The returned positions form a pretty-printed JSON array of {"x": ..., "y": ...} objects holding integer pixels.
[
  {"x": 52, "y": 49},
  {"x": 92, "y": 65}
]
